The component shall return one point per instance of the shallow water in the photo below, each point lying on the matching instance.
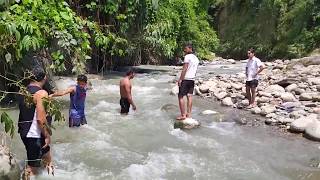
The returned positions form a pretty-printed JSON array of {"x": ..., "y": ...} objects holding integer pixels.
[{"x": 144, "y": 145}]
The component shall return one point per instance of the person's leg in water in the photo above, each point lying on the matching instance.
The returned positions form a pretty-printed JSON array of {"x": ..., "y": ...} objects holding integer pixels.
[
  {"x": 182, "y": 108},
  {"x": 47, "y": 162},
  {"x": 189, "y": 105},
  {"x": 248, "y": 93}
]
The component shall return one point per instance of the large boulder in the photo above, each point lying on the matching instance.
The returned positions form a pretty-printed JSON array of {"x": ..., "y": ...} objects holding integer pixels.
[
  {"x": 9, "y": 169},
  {"x": 236, "y": 86},
  {"x": 275, "y": 88},
  {"x": 305, "y": 97},
  {"x": 267, "y": 109},
  {"x": 221, "y": 95},
  {"x": 313, "y": 130},
  {"x": 288, "y": 97},
  {"x": 227, "y": 101},
  {"x": 188, "y": 123},
  {"x": 291, "y": 87},
  {"x": 302, "y": 123}
]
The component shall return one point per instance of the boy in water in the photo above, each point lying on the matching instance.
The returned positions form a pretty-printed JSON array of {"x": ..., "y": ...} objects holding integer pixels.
[{"x": 77, "y": 101}]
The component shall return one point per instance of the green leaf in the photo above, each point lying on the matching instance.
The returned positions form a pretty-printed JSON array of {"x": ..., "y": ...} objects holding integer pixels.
[{"x": 65, "y": 16}]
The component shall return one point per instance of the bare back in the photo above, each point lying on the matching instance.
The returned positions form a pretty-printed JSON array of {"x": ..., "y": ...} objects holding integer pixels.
[{"x": 125, "y": 87}]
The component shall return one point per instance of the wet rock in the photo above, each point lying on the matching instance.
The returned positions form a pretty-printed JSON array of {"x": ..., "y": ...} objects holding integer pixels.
[
  {"x": 305, "y": 97},
  {"x": 270, "y": 121},
  {"x": 313, "y": 130},
  {"x": 245, "y": 102},
  {"x": 291, "y": 87},
  {"x": 188, "y": 123},
  {"x": 175, "y": 90},
  {"x": 267, "y": 109},
  {"x": 221, "y": 95},
  {"x": 208, "y": 112},
  {"x": 9, "y": 169},
  {"x": 231, "y": 61},
  {"x": 255, "y": 110},
  {"x": 227, "y": 101},
  {"x": 288, "y": 97},
  {"x": 271, "y": 115},
  {"x": 284, "y": 120},
  {"x": 301, "y": 124}
]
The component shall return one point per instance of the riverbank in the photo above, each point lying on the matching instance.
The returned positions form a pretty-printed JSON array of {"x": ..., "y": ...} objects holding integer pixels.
[{"x": 288, "y": 95}]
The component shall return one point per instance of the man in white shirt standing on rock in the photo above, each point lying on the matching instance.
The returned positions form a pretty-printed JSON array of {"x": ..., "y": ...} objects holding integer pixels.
[
  {"x": 253, "y": 68},
  {"x": 186, "y": 81}
]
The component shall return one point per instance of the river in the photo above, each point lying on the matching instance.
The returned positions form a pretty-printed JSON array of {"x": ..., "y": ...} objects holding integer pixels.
[{"x": 144, "y": 145}]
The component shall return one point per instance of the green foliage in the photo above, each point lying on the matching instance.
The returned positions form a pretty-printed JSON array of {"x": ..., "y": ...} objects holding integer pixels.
[
  {"x": 177, "y": 22},
  {"x": 8, "y": 123},
  {"x": 276, "y": 28}
]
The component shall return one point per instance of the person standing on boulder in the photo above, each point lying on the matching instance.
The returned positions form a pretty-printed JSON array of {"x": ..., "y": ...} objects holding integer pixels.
[
  {"x": 125, "y": 93},
  {"x": 186, "y": 81},
  {"x": 253, "y": 68},
  {"x": 32, "y": 125},
  {"x": 78, "y": 95}
]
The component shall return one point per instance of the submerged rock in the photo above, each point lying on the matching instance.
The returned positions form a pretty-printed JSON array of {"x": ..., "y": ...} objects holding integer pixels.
[{"x": 208, "y": 112}]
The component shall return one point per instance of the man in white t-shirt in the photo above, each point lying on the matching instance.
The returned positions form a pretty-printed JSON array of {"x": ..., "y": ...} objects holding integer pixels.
[
  {"x": 186, "y": 81},
  {"x": 253, "y": 68}
]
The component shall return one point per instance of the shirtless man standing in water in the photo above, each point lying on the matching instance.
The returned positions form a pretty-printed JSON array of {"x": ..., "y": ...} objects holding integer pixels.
[{"x": 125, "y": 93}]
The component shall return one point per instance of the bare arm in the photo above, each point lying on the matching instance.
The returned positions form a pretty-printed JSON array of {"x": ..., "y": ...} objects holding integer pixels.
[
  {"x": 259, "y": 70},
  {"x": 64, "y": 92},
  {"x": 183, "y": 73}
]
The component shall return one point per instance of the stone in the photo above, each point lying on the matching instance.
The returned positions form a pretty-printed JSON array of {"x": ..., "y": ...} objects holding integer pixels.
[
  {"x": 316, "y": 110},
  {"x": 9, "y": 168},
  {"x": 240, "y": 96},
  {"x": 316, "y": 98},
  {"x": 175, "y": 90},
  {"x": 271, "y": 115},
  {"x": 274, "y": 88},
  {"x": 284, "y": 120},
  {"x": 267, "y": 109},
  {"x": 288, "y": 97},
  {"x": 291, "y": 87},
  {"x": 302, "y": 123},
  {"x": 318, "y": 88},
  {"x": 298, "y": 91},
  {"x": 227, "y": 101},
  {"x": 297, "y": 114},
  {"x": 236, "y": 86},
  {"x": 305, "y": 97},
  {"x": 245, "y": 102},
  {"x": 221, "y": 95},
  {"x": 262, "y": 93},
  {"x": 188, "y": 123},
  {"x": 231, "y": 61},
  {"x": 255, "y": 110},
  {"x": 313, "y": 81},
  {"x": 204, "y": 88},
  {"x": 313, "y": 130},
  {"x": 262, "y": 99},
  {"x": 208, "y": 112},
  {"x": 270, "y": 121}
]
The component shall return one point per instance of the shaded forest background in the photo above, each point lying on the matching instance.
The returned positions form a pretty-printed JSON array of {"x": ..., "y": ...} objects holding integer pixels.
[{"x": 76, "y": 36}]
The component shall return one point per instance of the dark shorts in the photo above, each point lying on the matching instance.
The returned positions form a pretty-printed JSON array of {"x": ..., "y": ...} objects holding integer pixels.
[
  {"x": 125, "y": 105},
  {"x": 35, "y": 151},
  {"x": 186, "y": 88},
  {"x": 252, "y": 84},
  {"x": 76, "y": 122}
]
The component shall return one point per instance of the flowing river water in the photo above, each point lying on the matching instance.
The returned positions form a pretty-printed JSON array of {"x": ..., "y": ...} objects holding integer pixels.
[{"x": 144, "y": 145}]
